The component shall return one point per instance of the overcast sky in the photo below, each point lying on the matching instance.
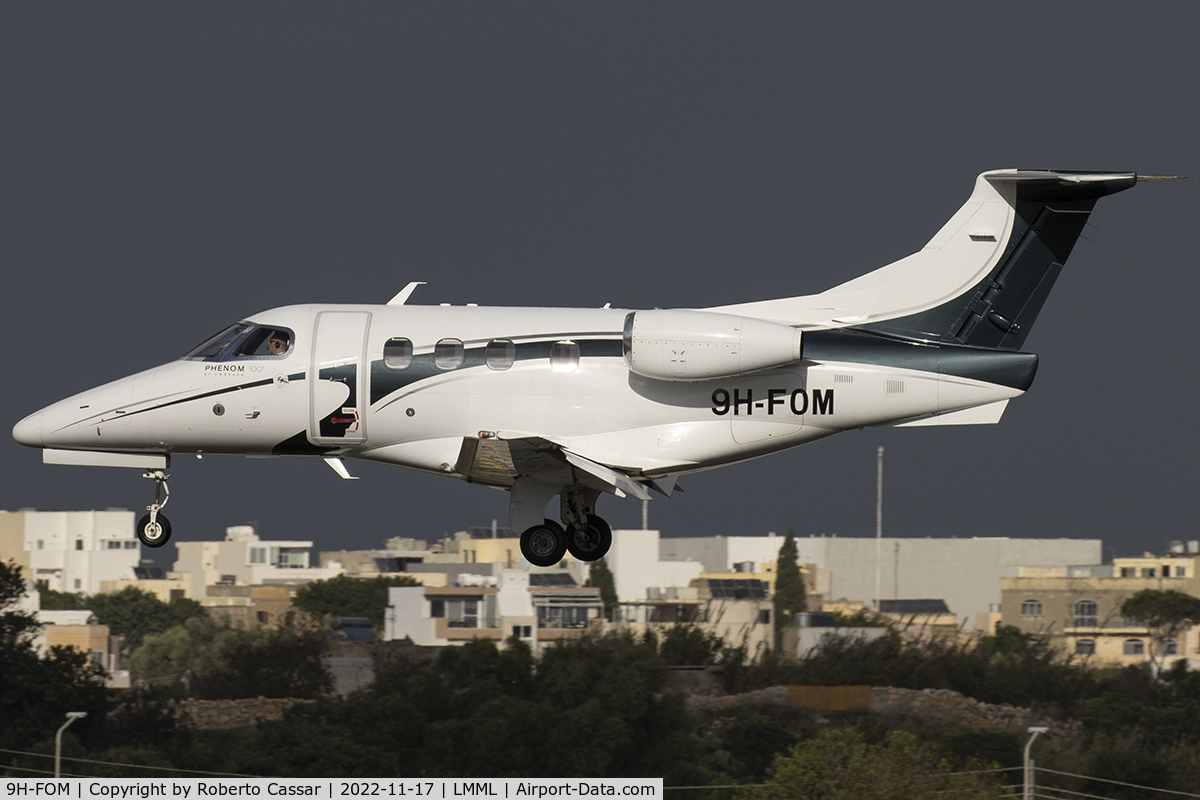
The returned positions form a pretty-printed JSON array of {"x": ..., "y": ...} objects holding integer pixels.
[{"x": 167, "y": 169}]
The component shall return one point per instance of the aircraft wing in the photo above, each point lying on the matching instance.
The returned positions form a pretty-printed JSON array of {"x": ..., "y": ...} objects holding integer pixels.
[{"x": 500, "y": 460}]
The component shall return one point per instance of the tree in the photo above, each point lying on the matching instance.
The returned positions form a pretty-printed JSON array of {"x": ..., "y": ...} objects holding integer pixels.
[
  {"x": 790, "y": 593},
  {"x": 53, "y": 600},
  {"x": 134, "y": 613},
  {"x": 215, "y": 661},
  {"x": 1165, "y": 612},
  {"x": 343, "y": 596},
  {"x": 842, "y": 765},
  {"x": 15, "y": 625},
  {"x": 602, "y": 578},
  {"x": 36, "y": 692}
]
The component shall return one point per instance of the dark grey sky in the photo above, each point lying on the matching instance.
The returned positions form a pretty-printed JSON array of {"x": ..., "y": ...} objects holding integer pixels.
[{"x": 166, "y": 170}]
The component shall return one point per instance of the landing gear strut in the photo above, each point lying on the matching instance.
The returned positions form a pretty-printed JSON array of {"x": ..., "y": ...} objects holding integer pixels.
[
  {"x": 154, "y": 529},
  {"x": 586, "y": 536}
]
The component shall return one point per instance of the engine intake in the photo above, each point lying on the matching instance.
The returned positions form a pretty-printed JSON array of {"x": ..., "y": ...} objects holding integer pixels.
[{"x": 697, "y": 345}]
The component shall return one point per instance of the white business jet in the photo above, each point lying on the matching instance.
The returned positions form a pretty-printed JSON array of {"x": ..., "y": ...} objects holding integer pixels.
[{"x": 573, "y": 403}]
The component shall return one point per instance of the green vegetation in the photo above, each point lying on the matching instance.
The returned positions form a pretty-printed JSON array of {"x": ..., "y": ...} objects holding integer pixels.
[
  {"x": 843, "y": 765},
  {"x": 211, "y": 660},
  {"x": 131, "y": 612},
  {"x": 343, "y": 596},
  {"x": 601, "y": 577},
  {"x": 599, "y": 707},
  {"x": 790, "y": 595}
]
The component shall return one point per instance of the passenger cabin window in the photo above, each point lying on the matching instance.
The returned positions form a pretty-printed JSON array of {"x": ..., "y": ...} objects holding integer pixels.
[
  {"x": 564, "y": 356},
  {"x": 448, "y": 354},
  {"x": 397, "y": 353},
  {"x": 500, "y": 354}
]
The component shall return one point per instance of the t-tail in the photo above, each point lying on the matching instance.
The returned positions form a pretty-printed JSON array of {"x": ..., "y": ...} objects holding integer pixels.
[
  {"x": 1048, "y": 213},
  {"x": 982, "y": 280}
]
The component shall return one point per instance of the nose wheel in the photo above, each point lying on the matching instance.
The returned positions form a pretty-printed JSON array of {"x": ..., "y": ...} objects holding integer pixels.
[{"x": 154, "y": 529}]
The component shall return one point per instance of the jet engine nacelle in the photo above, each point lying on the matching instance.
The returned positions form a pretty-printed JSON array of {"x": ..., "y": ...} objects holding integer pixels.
[{"x": 696, "y": 345}]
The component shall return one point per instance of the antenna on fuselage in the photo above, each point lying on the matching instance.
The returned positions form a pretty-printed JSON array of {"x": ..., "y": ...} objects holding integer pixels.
[{"x": 402, "y": 297}]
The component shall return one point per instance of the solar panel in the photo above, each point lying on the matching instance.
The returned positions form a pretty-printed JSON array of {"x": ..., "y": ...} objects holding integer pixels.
[{"x": 551, "y": 579}]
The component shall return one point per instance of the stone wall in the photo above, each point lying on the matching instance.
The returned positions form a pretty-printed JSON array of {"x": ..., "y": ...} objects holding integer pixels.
[
  {"x": 949, "y": 708},
  {"x": 941, "y": 707},
  {"x": 223, "y": 714}
]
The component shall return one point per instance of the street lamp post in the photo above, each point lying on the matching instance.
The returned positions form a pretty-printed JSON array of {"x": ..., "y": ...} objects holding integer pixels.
[
  {"x": 1028, "y": 793},
  {"x": 71, "y": 717}
]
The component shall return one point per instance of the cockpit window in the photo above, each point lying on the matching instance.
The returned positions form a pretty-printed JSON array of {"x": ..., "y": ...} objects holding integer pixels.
[
  {"x": 244, "y": 340},
  {"x": 212, "y": 347},
  {"x": 264, "y": 342}
]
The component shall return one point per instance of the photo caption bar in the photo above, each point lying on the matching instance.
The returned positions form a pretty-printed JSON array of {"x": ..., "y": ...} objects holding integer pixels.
[{"x": 331, "y": 789}]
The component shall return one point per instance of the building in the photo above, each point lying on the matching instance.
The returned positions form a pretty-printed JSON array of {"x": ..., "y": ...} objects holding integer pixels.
[
  {"x": 81, "y": 630},
  {"x": 243, "y": 559},
  {"x": 72, "y": 551},
  {"x": 1079, "y": 608},
  {"x": 966, "y": 573},
  {"x": 535, "y": 607},
  {"x": 737, "y": 610}
]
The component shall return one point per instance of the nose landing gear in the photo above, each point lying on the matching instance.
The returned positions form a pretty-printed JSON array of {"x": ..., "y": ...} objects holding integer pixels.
[{"x": 154, "y": 529}]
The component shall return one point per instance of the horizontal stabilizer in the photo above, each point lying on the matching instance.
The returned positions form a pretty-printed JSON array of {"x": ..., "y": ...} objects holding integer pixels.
[{"x": 979, "y": 415}]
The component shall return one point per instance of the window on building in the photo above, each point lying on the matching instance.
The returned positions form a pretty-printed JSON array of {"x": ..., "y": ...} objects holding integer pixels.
[
  {"x": 564, "y": 356},
  {"x": 78, "y": 583},
  {"x": 1031, "y": 608},
  {"x": 1085, "y": 647},
  {"x": 291, "y": 558},
  {"x": 131, "y": 544},
  {"x": 1132, "y": 622},
  {"x": 1135, "y": 647},
  {"x": 1147, "y": 572},
  {"x": 522, "y": 631},
  {"x": 1128, "y": 572},
  {"x": 449, "y": 354},
  {"x": 112, "y": 545},
  {"x": 500, "y": 354},
  {"x": 258, "y": 555},
  {"x": 41, "y": 544},
  {"x": 457, "y": 613},
  {"x": 1086, "y": 614},
  {"x": 562, "y": 616},
  {"x": 262, "y": 617},
  {"x": 397, "y": 353},
  {"x": 79, "y": 544},
  {"x": 1168, "y": 647},
  {"x": 764, "y": 616}
]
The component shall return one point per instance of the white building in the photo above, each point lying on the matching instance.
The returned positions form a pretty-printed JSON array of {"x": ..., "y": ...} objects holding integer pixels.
[
  {"x": 965, "y": 573},
  {"x": 638, "y": 565},
  {"x": 243, "y": 559},
  {"x": 535, "y": 607},
  {"x": 74, "y": 551}
]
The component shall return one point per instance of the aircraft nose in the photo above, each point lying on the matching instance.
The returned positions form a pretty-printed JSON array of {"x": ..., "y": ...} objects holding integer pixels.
[{"x": 29, "y": 430}]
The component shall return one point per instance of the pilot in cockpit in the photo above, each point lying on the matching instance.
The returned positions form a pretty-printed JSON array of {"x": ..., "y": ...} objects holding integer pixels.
[{"x": 278, "y": 345}]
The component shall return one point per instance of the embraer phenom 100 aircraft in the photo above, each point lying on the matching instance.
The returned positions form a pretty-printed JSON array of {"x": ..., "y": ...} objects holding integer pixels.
[{"x": 547, "y": 402}]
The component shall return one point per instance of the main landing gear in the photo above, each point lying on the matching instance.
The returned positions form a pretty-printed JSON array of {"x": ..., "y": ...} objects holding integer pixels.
[
  {"x": 587, "y": 537},
  {"x": 154, "y": 529}
]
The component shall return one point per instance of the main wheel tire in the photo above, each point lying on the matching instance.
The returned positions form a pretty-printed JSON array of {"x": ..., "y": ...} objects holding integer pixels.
[
  {"x": 591, "y": 540},
  {"x": 155, "y": 535},
  {"x": 544, "y": 545}
]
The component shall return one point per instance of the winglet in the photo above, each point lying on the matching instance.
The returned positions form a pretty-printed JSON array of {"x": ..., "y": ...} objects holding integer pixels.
[{"x": 402, "y": 296}]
